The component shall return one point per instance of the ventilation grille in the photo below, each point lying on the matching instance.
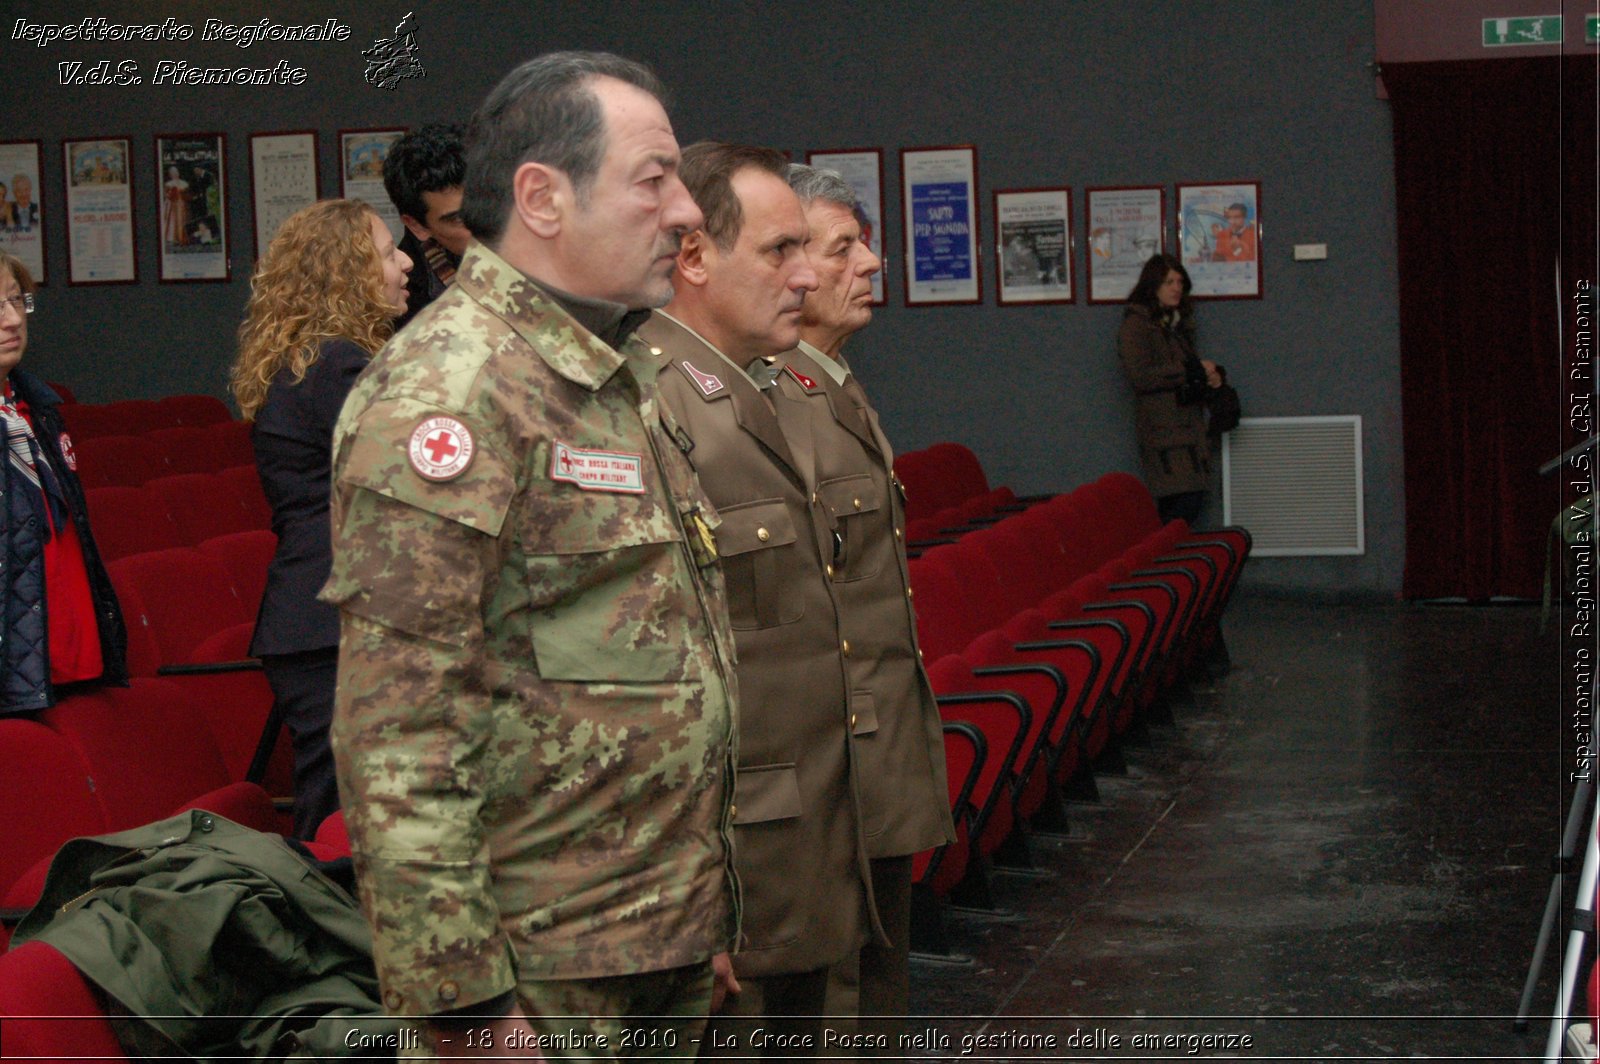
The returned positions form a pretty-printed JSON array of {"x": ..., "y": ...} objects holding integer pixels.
[{"x": 1295, "y": 483}]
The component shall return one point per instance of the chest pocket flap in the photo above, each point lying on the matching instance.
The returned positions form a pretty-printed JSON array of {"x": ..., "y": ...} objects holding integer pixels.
[
  {"x": 756, "y": 542},
  {"x": 856, "y": 494},
  {"x": 754, "y": 526},
  {"x": 848, "y": 500}
]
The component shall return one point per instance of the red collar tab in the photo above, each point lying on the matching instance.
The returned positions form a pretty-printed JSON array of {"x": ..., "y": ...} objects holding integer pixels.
[{"x": 805, "y": 382}]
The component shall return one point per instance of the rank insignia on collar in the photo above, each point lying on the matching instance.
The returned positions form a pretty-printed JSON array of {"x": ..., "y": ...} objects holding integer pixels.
[
  {"x": 709, "y": 383},
  {"x": 805, "y": 382}
]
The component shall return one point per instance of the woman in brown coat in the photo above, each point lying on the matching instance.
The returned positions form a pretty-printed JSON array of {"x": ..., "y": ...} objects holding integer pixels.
[{"x": 1169, "y": 382}]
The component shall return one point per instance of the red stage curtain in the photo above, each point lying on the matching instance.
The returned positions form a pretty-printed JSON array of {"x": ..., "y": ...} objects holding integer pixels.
[{"x": 1483, "y": 200}]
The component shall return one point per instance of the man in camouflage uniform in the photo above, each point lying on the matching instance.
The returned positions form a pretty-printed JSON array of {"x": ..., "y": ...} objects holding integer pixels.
[
  {"x": 904, "y": 797},
  {"x": 534, "y": 725}
]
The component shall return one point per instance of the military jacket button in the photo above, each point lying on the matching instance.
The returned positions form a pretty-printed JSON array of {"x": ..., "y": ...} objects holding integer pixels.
[
  {"x": 763, "y": 535},
  {"x": 857, "y": 503},
  {"x": 828, "y": 569},
  {"x": 844, "y": 647},
  {"x": 392, "y": 1001},
  {"x": 448, "y": 991}
]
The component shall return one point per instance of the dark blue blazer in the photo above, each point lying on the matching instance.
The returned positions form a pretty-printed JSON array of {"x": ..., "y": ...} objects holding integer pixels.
[
  {"x": 24, "y": 623},
  {"x": 293, "y": 439}
]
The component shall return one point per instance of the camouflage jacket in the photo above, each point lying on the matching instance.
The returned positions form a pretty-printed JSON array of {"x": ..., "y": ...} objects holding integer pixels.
[{"x": 534, "y": 722}]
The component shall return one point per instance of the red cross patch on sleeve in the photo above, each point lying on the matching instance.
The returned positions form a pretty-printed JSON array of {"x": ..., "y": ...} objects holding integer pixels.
[{"x": 440, "y": 449}]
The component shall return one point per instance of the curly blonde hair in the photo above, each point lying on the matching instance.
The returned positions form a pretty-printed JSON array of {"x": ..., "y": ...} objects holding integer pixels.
[{"x": 319, "y": 280}]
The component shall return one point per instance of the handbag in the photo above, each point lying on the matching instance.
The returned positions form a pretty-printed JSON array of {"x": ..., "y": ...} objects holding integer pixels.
[{"x": 1222, "y": 403}]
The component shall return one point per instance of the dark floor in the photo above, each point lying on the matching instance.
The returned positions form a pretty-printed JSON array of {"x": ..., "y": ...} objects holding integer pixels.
[{"x": 1339, "y": 852}]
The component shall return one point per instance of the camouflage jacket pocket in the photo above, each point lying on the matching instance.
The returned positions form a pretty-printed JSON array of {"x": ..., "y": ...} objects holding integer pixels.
[{"x": 612, "y": 596}]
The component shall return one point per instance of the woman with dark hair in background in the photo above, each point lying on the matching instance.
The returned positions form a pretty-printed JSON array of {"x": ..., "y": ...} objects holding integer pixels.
[
  {"x": 1170, "y": 384},
  {"x": 59, "y": 620},
  {"x": 322, "y": 301}
]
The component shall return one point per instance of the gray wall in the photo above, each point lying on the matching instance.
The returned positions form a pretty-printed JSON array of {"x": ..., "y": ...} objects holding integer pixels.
[{"x": 1095, "y": 92}]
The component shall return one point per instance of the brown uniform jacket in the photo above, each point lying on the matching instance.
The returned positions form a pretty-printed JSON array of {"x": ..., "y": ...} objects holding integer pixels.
[
  {"x": 1173, "y": 447},
  {"x": 848, "y": 465},
  {"x": 797, "y": 843}
]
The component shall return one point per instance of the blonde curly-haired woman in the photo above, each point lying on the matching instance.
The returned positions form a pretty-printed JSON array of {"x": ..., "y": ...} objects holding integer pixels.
[{"x": 322, "y": 301}]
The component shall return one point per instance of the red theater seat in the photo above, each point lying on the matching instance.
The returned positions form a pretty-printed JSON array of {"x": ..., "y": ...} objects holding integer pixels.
[
  {"x": 188, "y": 600},
  {"x": 187, "y": 449},
  {"x": 118, "y": 461},
  {"x": 146, "y": 747},
  {"x": 46, "y": 796},
  {"x": 49, "y": 1012},
  {"x": 246, "y": 556},
  {"x": 202, "y": 505},
  {"x": 244, "y": 480},
  {"x": 192, "y": 410},
  {"x": 130, "y": 521},
  {"x": 230, "y": 442}
]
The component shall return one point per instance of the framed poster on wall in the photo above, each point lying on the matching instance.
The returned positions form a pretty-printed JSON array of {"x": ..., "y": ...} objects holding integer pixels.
[
  {"x": 283, "y": 179},
  {"x": 1126, "y": 226},
  {"x": 1219, "y": 229},
  {"x": 192, "y": 212},
  {"x": 940, "y": 188},
  {"x": 361, "y": 156},
  {"x": 862, "y": 170},
  {"x": 100, "y": 238},
  {"x": 22, "y": 212},
  {"x": 1033, "y": 245}
]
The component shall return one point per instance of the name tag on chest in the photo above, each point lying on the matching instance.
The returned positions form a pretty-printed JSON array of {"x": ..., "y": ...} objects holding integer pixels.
[{"x": 598, "y": 470}]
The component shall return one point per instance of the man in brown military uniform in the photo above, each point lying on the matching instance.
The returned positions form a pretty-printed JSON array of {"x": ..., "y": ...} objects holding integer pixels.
[
  {"x": 534, "y": 725},
  {"x": 741, "y": 281},
  {"x": 850, "y": 466}
]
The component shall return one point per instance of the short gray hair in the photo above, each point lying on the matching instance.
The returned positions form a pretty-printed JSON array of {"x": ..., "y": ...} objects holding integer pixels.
[{"x": 812, "y": 183}]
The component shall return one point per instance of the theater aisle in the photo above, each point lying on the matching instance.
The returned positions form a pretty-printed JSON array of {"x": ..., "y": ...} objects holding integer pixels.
[{"x": 1341, "y": 850}]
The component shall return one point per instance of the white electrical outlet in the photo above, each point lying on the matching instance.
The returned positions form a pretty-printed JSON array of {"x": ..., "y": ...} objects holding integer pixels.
[{"x": 1310, "y": 252}]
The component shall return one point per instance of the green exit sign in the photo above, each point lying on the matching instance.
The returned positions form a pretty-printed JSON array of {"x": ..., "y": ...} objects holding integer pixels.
[
  {"x": 1591, "y": 29},
  {"x": 1535, "y": 29}
]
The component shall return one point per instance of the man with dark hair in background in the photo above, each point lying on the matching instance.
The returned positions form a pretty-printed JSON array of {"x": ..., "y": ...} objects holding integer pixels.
[
  {"x": 423, "y": 176},
  {"x": 534, "y": 720},
  {"x": 742, "y": 278}
]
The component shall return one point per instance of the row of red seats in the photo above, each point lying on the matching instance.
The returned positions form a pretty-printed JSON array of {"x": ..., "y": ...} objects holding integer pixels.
[
  {"x": 135, "y": 417},
  {"x": 182, "y": 510},
  {"x": 131, "y": 460},
  {"x": 106, "y": 761},
  {"x": 181, "y": 521},
  {"x": 946, "y": 491},
  {"x": 1051, "y": 634},
  {"x": 188, "y": 724}
]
